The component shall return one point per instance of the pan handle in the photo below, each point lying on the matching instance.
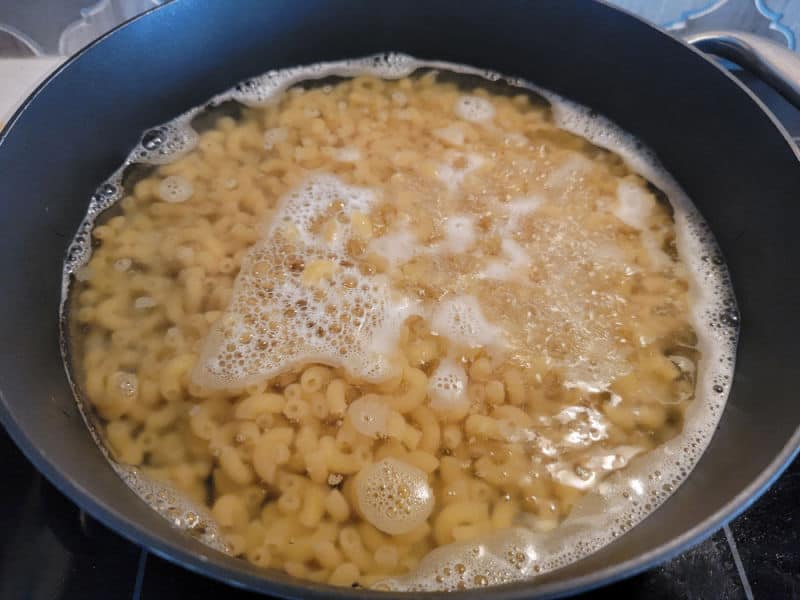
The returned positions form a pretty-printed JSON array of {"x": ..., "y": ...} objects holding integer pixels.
[{"x": 775, "y": 64}]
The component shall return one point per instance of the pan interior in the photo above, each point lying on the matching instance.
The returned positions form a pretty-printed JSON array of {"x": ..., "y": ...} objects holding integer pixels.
[{"x": 624, "y": 498}]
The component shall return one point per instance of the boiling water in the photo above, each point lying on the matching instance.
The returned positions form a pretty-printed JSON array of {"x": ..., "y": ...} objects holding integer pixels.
[{"x": 610, "y": 507}]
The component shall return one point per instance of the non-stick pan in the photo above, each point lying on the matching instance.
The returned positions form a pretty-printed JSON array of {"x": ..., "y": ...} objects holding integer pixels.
[{"x": 728, "y": 152}]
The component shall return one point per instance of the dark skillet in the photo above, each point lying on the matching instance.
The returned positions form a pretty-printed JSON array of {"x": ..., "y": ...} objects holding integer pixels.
[{"x": 730, "y": 155}]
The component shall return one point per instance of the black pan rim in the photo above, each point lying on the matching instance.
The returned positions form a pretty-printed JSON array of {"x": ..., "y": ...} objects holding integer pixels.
[{"x": 285, "y": 586}]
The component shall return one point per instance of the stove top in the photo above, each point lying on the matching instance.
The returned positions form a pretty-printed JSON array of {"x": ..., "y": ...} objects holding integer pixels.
[{"x": 51, "y": 550}]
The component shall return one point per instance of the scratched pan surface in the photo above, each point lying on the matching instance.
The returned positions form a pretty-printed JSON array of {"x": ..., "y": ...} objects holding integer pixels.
[{"x": 729, "y": 154}]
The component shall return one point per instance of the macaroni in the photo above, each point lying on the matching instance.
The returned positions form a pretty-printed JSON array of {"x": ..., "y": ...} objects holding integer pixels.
[{"x": 278, "y": 459}]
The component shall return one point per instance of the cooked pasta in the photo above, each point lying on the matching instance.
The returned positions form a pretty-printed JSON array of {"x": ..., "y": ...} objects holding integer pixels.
[{"x": 544, "y": 339}]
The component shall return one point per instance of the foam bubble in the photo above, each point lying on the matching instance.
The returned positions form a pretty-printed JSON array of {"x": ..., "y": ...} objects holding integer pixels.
[
  {"x": 263, "y": 89},
  {"x": 174, "y": 189},
  {"x": 474, "y": 108},
  {"x": 587, "y": 425},
  {"x": 144, "y": 302},
  {"x": 84, "y": 273},
  {"x": 515, "y": 259},
  {"x": 457, "y": 166},
  {"x": 122, "y": 264},
  {"x": 126, "y": 384},
  {"x": 397, "y": 246},
  {"x": 521, "y": 207},
  {"x": 351, "y": 155},
  {"x": 460, "y": 319},
  {"x": 399, "y": 99},
  {"x": 452, "y": 134},
  {"x": 612, "y": 459},
  {"x": 459, "y": 233},
  {"x": 184, "y": 514},
  {"x": 394, "y": 496},
  {"x": 634, "y": 204},
  {"x": 167, "y": 142},
  {"x": 372, "y": 417},
  {"x": 515, "y": 256},
  {"x": 447, "y": 388},
  {"x": 274, "y": 136},
  {"x": 495, "y": 559},
  {"x": 516, "y": 139},
  {"x": 572, "y": 169}
]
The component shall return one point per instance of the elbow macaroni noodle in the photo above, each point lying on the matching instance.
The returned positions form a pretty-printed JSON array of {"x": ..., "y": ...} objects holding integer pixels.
[{"x": 279, "y": 461}]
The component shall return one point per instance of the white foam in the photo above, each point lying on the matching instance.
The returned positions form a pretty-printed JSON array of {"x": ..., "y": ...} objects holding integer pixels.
[
  {"x": 459, "y": 233},
  {"x": 447, "y": 388},
  {"x": 498, "y": 558},
  {"x": 634, "y": 204},
  {"x": 452, "y": 134},
  {"x": 522, "y": 207},
  {"x": 516, "y": 258},
  {"x": 174, "y": 189},
  {"x": 474, "y": 108},
  {"x": 398, "y": 246},
  {"x": 457, "y": 166},
  {"x": 299, "y": 299},
  {"x": 612, "y": 459},
  {"x": 517, "y": 140},
  {"x": 84, "y": 273},
  {"x": 123, "y": 264},
  {"x": 265, "y": 88},
  {"x": 171, "y": 504},
  {"x": 587, "y": 425},
  {"x": 167, "y": 142},
  {"x": 460, "y": 319},
  {"x": 274, "y": 136},
  {"x": 350, "y": 155},
  {"x": 144, "y": 302},
  {"x": 572, "y": 169},
  {"x": 371, "y": 416},
  {"x": 399, "y": 98},
  {"x": 127, "y": 384}
]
